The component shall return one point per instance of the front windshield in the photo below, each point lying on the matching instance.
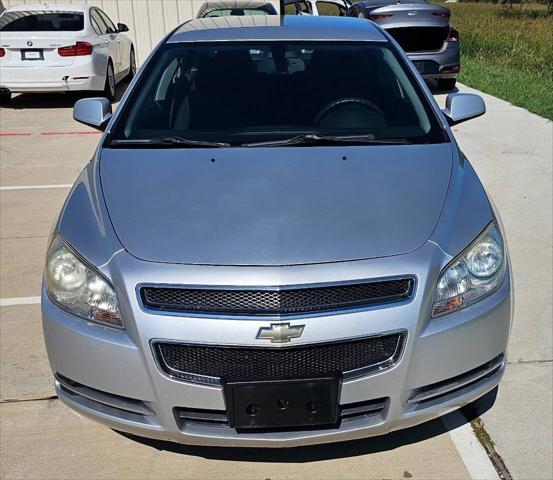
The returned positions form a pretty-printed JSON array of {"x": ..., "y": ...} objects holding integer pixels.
[{"x": 246, "y": 92}]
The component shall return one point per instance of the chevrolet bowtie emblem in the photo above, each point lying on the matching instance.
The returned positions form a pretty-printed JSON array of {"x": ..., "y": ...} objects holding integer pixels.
[{"x": 280, "y": 332}]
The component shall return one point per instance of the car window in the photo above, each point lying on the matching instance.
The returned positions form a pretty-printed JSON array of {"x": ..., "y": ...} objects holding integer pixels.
[
  {"x": 97, "y": 19},
  {"x": 111, "y": 28},
  {"x": 168, "y": 78},
  {"x": 352, "y": 12},
  {"x": 250, "y": 92},
  {"x": 40, "y": 21},
  {"x": 301, "y": 6},
  {"x": 331, "y": 9},
  {"x": 94, "y": 19}
]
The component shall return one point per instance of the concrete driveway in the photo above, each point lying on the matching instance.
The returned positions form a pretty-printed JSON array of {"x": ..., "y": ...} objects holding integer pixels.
[{"x": 41, "y": 153}]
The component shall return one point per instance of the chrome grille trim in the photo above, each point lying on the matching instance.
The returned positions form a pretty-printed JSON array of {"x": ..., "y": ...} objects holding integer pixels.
[
  {"x": 440, "y": 389},
  {"x": 111, "y": 400}
]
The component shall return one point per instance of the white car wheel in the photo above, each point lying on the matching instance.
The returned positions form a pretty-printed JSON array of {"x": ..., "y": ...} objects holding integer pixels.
[
  {"x": 109, "y": 89},
  {"x": 132, "y": 71}
]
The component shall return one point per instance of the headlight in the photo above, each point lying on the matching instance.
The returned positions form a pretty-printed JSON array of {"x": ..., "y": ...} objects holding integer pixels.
[
  {"x": 78, "y": 287},
  {"x": 473, "y": 275}
]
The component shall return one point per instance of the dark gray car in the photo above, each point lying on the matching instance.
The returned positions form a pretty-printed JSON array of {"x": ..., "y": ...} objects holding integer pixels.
[{"x": 424, "y": 32}]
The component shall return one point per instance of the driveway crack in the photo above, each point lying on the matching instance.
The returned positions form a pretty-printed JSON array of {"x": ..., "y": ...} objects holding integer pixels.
[
  {"x": 28, "y": 399},
  {"x": 486, "y": 441},
  {"x": 514, "y": 362}
]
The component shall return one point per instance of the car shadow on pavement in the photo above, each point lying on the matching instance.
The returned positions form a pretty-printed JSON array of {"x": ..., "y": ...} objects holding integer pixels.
[
  {"x": 331, "y": 451},
  {"x": 25, "y": 101}
]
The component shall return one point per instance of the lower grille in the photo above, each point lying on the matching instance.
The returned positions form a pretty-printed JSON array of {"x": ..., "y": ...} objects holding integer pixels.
[
  {"x": 359, "y": 410},
  {"x": 218, "y": 418},
  {"x": 211, "y": 364},
  {"x": 277, "y": 300},
  {"x": 198, "y": 416}
]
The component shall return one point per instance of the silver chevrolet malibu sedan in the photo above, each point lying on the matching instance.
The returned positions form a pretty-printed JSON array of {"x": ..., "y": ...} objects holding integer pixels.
[{"x": 277, "y": 242}]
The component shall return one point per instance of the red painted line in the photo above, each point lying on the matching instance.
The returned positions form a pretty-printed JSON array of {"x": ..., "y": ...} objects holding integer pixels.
[
  {"x": 69, "y": 133},
  {"x": 14, "y": 134}
]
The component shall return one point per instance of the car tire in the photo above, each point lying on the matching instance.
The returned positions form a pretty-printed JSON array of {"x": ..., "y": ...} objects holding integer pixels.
[
  {"x": 109, "y": 87},
  {"x": 132, "y": 66},
  {"x": 446, "y": 84},
  {"x": 5, "y": 97}
]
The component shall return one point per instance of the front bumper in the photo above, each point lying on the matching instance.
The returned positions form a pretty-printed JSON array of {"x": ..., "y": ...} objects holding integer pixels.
[{"x": 121, "y": 364}]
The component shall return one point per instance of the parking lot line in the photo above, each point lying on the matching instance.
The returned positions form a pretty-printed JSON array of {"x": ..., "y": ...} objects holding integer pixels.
[
  {"x": 46, "y": 134},
  {"x": 36, "y": 187},
  {"x": 9, "y": 302}
]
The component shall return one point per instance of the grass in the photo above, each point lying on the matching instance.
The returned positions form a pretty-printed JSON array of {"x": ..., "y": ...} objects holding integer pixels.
[{"x": 507, "y": 52}]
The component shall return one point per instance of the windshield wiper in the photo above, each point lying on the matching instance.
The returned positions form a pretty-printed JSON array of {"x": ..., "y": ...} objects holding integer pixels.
[
  {"x": 313, "y": 139},
  {"x": 170, "y": 142}
]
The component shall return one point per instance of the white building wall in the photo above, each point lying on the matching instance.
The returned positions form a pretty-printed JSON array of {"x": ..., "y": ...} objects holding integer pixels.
[{"x": 148, "y": 20}]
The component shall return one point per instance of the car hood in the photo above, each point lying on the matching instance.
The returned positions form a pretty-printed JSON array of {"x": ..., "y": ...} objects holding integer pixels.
[{"x": 274, "y": 206}]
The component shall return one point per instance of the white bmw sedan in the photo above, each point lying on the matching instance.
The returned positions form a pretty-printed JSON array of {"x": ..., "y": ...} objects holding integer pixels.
[{"x": 56, "y": 48}]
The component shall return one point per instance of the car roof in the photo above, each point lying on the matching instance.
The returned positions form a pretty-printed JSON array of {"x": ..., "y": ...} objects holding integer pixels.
[
  {"x": 48, "y": 7},
  {"x": 212, "y": 5},
  {"x": 275, "y": 27}
]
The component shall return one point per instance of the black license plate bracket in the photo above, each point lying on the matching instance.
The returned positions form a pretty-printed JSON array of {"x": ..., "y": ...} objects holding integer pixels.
[
  {"x": 282, "y": 403},
  {"x": 34, "y": 54}
]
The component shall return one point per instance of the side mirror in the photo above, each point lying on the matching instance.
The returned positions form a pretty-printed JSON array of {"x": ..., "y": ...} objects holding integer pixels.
[
  {"x": 94, "y": 112},
  {"x": 121, "y": 27},
  {"x": 460, "y": 107}
]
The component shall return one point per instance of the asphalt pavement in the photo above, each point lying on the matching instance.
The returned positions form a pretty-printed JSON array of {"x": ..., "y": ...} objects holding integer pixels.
[{"x": 42, "y": 150}]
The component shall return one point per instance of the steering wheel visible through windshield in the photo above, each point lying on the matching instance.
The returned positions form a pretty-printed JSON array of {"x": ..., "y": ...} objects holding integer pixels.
[{"x": 246, "y": 93}]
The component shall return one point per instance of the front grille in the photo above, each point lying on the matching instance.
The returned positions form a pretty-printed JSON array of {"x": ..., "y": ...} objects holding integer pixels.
[
  {"x": 211, "y": 364},
  {"x": 419, "y": 39},
  {"x": 275, "y": 301}
]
